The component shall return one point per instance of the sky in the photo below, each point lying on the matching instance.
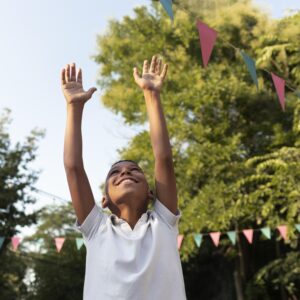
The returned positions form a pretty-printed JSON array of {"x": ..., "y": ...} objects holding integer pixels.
[{"x": 38, "y": 38}]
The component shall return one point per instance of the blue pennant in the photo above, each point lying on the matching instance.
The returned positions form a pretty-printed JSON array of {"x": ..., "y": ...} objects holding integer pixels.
[
  {"x": 251, "y": 67},
  {"x": 167, "y": 4}
]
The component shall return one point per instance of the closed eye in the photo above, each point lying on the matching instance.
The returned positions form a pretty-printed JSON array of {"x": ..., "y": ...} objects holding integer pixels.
[{"x": 133, "y": 169}]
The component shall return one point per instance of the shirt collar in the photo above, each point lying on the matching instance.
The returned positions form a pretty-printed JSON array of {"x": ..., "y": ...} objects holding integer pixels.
[{"x": 116, "y": 220}]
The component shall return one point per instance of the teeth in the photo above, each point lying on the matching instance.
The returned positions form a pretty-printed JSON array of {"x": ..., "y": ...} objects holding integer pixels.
[{"x": 128, "y": 180}]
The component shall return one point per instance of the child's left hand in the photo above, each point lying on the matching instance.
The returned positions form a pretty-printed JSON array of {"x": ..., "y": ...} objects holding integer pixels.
[{"x": 153, "y": 78}]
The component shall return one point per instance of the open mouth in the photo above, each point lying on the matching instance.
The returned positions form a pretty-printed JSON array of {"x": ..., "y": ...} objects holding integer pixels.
[{"x": 127, "y": 180}]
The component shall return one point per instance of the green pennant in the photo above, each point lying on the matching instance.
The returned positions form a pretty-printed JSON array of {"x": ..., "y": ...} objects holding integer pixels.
[
  {"x": 79, "y": 243},
  {"x": 2, "y": 238},
  {"x": 297, "y": 227},
  {"x": 251, "y": 67},
  {"x": 266, "y": 232},
  {"x": 232, "y": 236},
  {"x": 198, "y": 239}
]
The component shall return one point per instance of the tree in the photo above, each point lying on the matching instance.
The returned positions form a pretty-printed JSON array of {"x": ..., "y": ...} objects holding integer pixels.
[
  {"x": 58, "y": 275},
  {"x": 226, "y": 136},
  {"x": 16, "y": 179}
]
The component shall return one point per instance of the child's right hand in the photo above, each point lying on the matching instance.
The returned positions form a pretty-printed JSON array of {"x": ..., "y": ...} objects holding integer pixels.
[{"x": 72, "y": 86}]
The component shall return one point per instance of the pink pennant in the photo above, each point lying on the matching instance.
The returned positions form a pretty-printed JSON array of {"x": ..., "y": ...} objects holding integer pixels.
[
  {"x": 59, "y": 243},
  {"x": 283, "y": 231},
  {"x": 248, "y": 234},
  {"x": 207, "y": 38},
  {"x": 279, "y": 86},
  {"x": 15, "y": 240},
  {"x": 215, "y": 236},
  {"x": 179, "y": 240}
]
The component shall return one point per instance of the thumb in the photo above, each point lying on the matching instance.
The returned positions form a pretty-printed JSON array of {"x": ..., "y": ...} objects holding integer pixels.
[{"x": 91, "y": 91}]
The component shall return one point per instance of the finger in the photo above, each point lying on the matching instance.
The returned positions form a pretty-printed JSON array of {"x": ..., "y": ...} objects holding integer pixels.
[
  {"x": 158, "y": 66},
  {"x": 79, "y": 76},
  {"x": 73, "y": 72},
  {"x": 62, "y": 76},
  {"x": 91, "y": 91},
  {"x": 153, "y": 64},
  {"x": 164, "y": 71},
  {"x": 145, "y": 67},
  {"x": 67, "y": 73},
  {"x": 136, "y": 74}
]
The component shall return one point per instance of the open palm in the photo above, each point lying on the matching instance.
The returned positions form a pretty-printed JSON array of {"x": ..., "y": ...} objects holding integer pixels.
[
  {"x": 153, "y": 77},
  {"x": 72, "y": 85}
]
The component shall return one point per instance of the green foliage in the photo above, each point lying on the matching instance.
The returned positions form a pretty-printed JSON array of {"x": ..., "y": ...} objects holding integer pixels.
[
  {"x": 16, "y": 178},
  {"x": 58, "y": 275},
  {"x": 235, "y": 152},
  {"x": 280, "y": 272}
]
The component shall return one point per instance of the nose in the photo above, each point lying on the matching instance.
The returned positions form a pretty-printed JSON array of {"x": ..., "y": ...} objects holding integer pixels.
[{"x": 125, "y": 170}]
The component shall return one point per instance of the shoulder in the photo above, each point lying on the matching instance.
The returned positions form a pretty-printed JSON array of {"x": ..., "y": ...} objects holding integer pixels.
[{"x": 166, "y": 215}]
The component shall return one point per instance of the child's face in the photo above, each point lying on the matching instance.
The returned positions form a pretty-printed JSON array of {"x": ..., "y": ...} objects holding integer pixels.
[{"x": 118, "y": 189}]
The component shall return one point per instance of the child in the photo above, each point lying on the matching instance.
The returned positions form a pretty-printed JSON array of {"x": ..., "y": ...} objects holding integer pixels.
[{"x": 131, "y": 254}]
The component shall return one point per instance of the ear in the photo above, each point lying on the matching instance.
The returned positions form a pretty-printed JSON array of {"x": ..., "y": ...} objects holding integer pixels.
[
  {"x": 105, "y": 202},
  {"x": 151, "y": 195}
]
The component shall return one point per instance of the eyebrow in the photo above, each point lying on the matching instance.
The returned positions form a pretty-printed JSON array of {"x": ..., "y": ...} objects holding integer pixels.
[{"x": 115, "y": 168}]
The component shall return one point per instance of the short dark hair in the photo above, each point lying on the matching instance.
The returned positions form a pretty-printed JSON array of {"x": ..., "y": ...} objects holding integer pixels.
[
  {"x": 119, "y": 161},
  {"x": 124, "y": 160}
]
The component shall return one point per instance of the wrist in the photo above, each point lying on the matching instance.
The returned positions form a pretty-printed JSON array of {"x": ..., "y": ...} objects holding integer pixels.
[
  {"x": 151, "y": 93},
  {"x": 76, "y": 108}
]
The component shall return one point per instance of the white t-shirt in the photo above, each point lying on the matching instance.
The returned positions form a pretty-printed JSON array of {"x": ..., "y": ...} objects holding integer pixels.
[{"x": 139, "y": 264}]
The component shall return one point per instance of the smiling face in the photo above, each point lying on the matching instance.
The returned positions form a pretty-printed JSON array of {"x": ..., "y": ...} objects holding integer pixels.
[{"x": 126, "y": 183}]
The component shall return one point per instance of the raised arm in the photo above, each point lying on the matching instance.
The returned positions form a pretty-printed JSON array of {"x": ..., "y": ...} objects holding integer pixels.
[
  {"x": 79, "y": 186},
  {"x": 151, "y": 83}
]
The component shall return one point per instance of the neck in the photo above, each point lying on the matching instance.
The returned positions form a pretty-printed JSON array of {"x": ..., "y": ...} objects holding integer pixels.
[{"x": 129, "y": 214}]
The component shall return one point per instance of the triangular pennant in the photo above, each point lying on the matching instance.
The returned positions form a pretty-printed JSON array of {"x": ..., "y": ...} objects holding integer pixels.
[
  {"x": 59, "y": 243},
  {"x": 232, "y": 236},
  {"x": 179, "y": 240},
  {"x": 283, "y": 231},
  {"x": 248, "y": 234},
  {"x": 198, "y": 239},
  {"x": 251, "y": 67},
  {"x": 279, "y": 86},
  {"x": 215, "y": 236},
  {"x": 2, "y": 238},
  {"x": 79, "y": 243},
  {"x": 297, "y": 227},
  {"x": 207, "y": 38},
  {"x": 167, "y": 5},
  {"x": 266, "y": 232},
  {"x": 15, "y": 240}
]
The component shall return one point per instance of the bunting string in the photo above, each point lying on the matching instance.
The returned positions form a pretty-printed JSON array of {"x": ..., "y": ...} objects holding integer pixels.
[
  {"x": 208, "y": 36},
  {"x": 198, "y": 237}
]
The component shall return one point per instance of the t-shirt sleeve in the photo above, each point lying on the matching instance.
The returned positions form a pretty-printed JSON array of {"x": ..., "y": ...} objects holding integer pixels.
[
  {"x": 166, "y": 215},
  {"x": 92, "y": 222}
]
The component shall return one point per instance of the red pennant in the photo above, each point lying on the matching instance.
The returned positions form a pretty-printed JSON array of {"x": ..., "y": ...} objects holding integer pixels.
[
  {"x": 279, "y": 86},
  {"x": 15, "y": 240},
  {"x": 215, "y": 236},
  {"x": 59, "y": 243},
  {"x": 283, "y": 231},
  {"x": 179, "y": 240},
  {"x": 248, "y": 234},
  {"x": 207, "y": 38}
]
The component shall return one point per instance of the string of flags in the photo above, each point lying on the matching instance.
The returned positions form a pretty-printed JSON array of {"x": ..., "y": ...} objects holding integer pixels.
[
  {"x": 208, "y": 36},
  {"x": 248, "y": 233},
  {"x": 198, "y": 237}
]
